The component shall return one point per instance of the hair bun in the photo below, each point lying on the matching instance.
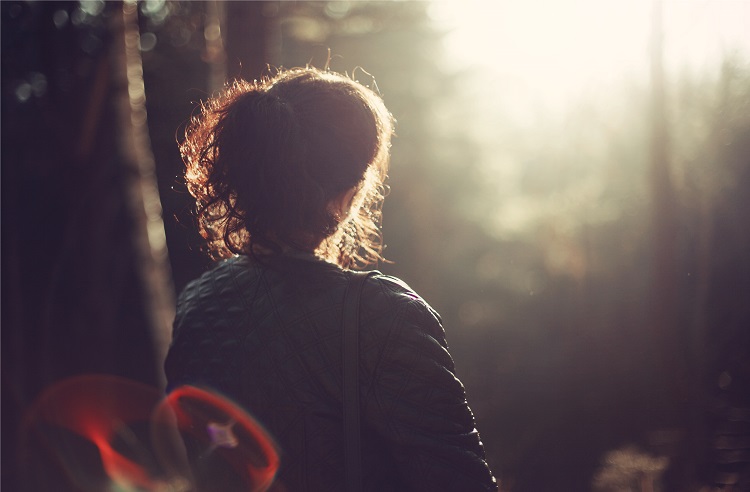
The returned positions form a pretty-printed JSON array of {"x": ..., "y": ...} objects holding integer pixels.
[{"x": 265, "y": 159}]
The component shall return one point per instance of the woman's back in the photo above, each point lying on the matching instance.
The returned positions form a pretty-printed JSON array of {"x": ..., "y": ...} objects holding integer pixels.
[{"x": 269, "y": 336}]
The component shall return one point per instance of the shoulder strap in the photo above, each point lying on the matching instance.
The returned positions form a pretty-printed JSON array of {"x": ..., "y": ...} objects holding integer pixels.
[{"x": 350, "y": 362}]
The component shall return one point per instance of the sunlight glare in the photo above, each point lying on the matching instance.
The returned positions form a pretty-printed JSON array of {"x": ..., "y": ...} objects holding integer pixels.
[
  {"x": 548, "y": 50},
  {"x": 553, "y": 51}
]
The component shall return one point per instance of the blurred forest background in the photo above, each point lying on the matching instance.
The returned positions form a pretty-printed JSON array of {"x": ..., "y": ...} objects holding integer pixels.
[{"x": 581, "y": 225}]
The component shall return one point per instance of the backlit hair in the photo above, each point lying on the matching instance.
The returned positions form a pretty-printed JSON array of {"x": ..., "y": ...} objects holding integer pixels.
[{"x": 264, "y": 159}]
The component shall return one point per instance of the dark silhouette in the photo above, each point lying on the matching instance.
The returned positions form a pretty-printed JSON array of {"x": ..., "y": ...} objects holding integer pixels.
[{"x": 288, "y": 177}]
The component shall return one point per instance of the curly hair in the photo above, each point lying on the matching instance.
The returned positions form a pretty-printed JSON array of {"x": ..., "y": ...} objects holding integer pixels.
[{"x": 265, "y": 159}]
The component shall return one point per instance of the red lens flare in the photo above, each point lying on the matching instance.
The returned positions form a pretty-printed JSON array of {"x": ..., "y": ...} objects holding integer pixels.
[
  {"x": 224, "y": 443},
  {"x": 101, "y": 409},
  {"x": 100, "y": 432}
]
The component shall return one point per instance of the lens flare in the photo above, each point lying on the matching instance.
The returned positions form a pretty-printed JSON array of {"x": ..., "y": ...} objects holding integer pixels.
[
  {"x": 226, "y": 447},
  {"x": 100, "y": 432},
  {"x": 103, "y": 410}
]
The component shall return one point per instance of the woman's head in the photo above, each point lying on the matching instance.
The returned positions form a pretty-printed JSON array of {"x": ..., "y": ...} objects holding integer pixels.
[{"x": 295, "y": 160}]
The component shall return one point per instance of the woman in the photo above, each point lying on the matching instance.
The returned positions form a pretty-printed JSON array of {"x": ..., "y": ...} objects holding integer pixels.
[{"x": 288, "y": 176}]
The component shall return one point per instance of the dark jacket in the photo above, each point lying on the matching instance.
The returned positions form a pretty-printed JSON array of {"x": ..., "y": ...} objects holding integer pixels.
[{"x": 269, "y": 337}]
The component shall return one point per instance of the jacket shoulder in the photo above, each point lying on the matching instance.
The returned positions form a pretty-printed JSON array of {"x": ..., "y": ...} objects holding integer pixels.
[
  {"x": 385, "y": 292},
  {"x": 392, "y": 314}
]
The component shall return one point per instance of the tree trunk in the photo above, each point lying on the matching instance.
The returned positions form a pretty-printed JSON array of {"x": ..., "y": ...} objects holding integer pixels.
[
  {"x": 663, "y": 296},
  {"x": 149, "y": 240}
]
